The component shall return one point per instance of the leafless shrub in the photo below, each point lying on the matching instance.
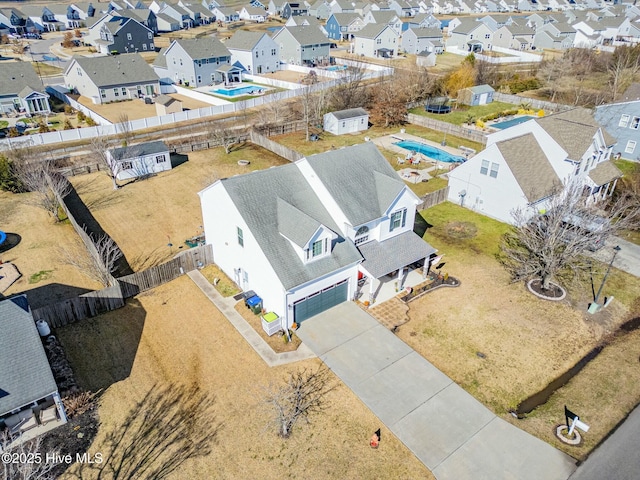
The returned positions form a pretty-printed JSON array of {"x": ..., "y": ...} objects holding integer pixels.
[
  {"x": 41, "y": 466},
  {"x": 78, "y": 403},
  {"x": 101, "y": 261}
]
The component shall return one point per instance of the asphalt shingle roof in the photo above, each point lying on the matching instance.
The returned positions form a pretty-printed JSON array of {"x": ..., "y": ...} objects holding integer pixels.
[
  {"x": 604, "y": 173},
  {"x": 205, "y": 47},
  {"x": 394, "y": 253},
  {"x": 14, "y": 76},
  {"x": 116, "y": 69},
  {"x": 25, "y": 374},
  {"x": 139, "y": 150},
  {"x": 305, "y": 35},
  {"x": 244, "y": 40},
  {"x": 533, "y": 172},
  {"x": 257, "y": 196},
  {"x": 360, "y": 180},
  {"x": 372, "y": 30},
  {"x": 349, "y": 113}
]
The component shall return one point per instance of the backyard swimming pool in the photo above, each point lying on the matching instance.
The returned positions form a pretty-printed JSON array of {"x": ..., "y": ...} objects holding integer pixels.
[
  {"x": 511, "y": 123},
  {"x": 429, "y": 151},
  {"x": 335, "y": 68},
  {"x": 235, "y": 91}
]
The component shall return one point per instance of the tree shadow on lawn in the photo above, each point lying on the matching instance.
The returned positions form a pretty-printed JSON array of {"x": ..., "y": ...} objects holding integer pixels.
[
  {"x": 170, "y": 425},
  {"x": 420, "y": 225},
  {"x": 85, "y": 219},
  {"x": 102, "y": 349}
]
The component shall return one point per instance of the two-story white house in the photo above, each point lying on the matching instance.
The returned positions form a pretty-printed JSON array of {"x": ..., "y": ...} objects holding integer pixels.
[
  {"x": 376, "y": 40},
  {"x": 523, "y": 165},
  {"x": 299, "y": 235},
  {"x": 255, "y": 51}
]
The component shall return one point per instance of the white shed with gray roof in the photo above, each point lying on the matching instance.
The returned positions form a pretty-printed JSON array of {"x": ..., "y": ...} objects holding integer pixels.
[
  {"x": 140, "y": 160},
  {"x": 351, "y": 120}
]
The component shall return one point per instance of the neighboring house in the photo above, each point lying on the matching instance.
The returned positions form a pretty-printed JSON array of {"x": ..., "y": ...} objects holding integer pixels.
[
  {"x": 15, "y": 21},
  {"x": 197, "y": 61},
  {"x": 416, "y": 40},
  {"x": 384, "y": 17},
  {"x": 514, "y": 36},
  {"x": 343, "y": 26},
  {"x": 255, "y": 51},
  {"x": 140, "y": 160},
  {"x": 124, "y": 35},
  {"x": 30, "y": 398},
  {"x": 112, "y": 78},
  {"x": 42, "y": 18},
  {"x": 346, "y": 121},
  {"x": 85, "y": 9},
  {"x": 167, "y": 23},
  {"x": 302, "y": 45},
  {"x": 198, "y": 12},
  {"x": 67, "y": 15},
  {"x": 175, "y": 11},
  {"x": 226, "y": 14},
  {"x": 567, "y": 146},
  {"x": 290, "y": 9},
  {"x": 471, "y": 36},
  {"x": 21, "y": 90},
  {"x": 376, "y": 40},
  {"x": 478, "y": 95},
  {"x": 166, "y": 105},
  {"x": 299, "y": 234},
  {"x": 143, "y": 15},
  {"x": 320, "y": 9},
  {"x": 275, "y": 7},
  {"x": 252, "y": 14},
  {"x": 622, "y": 120}
]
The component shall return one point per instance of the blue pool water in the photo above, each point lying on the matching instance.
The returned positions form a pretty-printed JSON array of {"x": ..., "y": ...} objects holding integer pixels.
[
  {"x": 511, "y": 123},
  {"x": 234, "y": 92},
  {"x": 429, "y": 151},
  {"x": 334, "y": 68}
]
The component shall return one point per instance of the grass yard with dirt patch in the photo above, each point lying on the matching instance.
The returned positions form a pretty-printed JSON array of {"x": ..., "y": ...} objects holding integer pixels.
[
  {"x": 145, "y": 216},
  {"x": 173, "y": 335},
  {"x": 45, "y": 275},
  {"x": 501, "y": 343}
]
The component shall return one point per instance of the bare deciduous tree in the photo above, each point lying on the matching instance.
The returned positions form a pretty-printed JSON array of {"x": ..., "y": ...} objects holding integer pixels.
[
  {"x": 302, "y": 395},
  {"x": 390, "y": 107},
  {"x": 101, "y": 261},
  {"x": 552, "y": 245},
  {"x": 31, "y": 463},
  {"x": 351, "y": 92},
  {"x": 104, "y": 148},
  {"x": 223, "y": 135},
  {"x": 623, "y": 67}
]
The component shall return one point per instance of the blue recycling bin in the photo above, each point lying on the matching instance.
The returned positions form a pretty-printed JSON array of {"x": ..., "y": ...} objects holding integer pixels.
[{"x": 255, "y": 304}]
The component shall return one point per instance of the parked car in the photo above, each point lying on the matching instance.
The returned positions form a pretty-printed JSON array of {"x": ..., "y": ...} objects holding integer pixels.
[{"x": 35, "y": 36}]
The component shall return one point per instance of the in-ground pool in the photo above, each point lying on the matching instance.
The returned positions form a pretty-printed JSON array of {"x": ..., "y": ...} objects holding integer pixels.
[
  {"x": 236, "y": 91},
  {"x": 511, "y": 123},
  {"x": 334, "y": 68},
  {"x": 429, "y": 151}
]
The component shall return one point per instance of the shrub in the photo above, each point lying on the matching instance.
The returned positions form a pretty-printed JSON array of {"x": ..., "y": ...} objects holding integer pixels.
[
  {"x": 78, "y": 403},
  {"x": 68, "y": 109},
  {"x": 480, "y": 124},
  {"x": 67, "y": 124},
  {"x": 91, "y": 122},
  {"x": 13, "y": 132},
  {"x": 81, "y": 116},
  {"x": 8, "y": 180}
]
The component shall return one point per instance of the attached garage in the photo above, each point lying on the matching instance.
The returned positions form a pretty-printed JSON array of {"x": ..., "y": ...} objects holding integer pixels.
[{"x": 320, "y": 301}]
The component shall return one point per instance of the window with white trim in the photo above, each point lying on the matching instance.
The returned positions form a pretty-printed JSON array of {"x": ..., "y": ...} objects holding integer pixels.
[
  {"x": 635, "y": 123},
  {"x": 317, "y": 249},
  {"x": 129, "y": 36},
  {"x": 126, "y": 165},
  {"x": 160, "y": 159},
  {"x": 631, "y": 146},
  {"x": 103, "y": 93},
  {"x": 624, "y": 121},
  {"x": 494, "y": 170},
  {"x": 149, "y": 35},
  {"x": 484, "y": 168},
  {"x": 240, "y": 237},
  {"x": 362, "y": 235},
  {"x": 398, "y": 219},
  {"x": 115, "y": 92}
]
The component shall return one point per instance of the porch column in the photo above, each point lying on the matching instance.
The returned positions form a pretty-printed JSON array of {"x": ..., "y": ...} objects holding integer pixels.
[
  {"x": 425, "y": 268},
  {"x": 371, "y": 290},
  {"x": 400, "y": 275},
  {"x": 605, "y": 190},
  {"x": 61, "y": 413},
  {"x": 614, "y": 186}
]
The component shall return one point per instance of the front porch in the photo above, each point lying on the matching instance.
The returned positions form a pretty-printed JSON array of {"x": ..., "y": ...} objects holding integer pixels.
[
  {"x": 388, "y": 286},
  {"x": 603, "y": 180}
]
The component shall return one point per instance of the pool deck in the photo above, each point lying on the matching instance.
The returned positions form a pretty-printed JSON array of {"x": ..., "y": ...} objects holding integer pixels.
[{"x": 387, "y": 142}]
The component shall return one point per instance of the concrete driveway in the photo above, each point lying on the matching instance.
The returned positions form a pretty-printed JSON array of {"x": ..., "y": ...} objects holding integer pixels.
[
  {"x": 452, "y": 433},
  {"x": 627, "y": 260}
]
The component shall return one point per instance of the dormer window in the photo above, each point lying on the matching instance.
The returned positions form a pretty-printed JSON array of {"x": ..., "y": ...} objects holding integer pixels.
[
  {"x": 318, "y": 248},
  {"x": 362, "y": 235}
]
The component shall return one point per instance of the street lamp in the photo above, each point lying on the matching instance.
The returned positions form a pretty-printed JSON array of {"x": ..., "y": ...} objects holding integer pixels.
[{"x": 594, "y": 307}]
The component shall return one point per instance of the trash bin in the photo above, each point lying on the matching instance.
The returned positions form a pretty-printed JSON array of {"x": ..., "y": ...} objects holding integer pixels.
[{"x": 255, "y": 304}]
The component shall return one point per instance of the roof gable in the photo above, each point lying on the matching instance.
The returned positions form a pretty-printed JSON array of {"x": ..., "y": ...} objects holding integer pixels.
[{"x": 115, "y": 69}]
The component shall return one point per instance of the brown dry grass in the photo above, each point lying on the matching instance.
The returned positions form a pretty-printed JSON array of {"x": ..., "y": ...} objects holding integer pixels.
[
  {"x": 276, "y": 341},
  {"x": 143, "y": 217},
  {"x": 174, "y": 334},
  {"x": 225, "y": 286},
  {"x": 38, "y": 252}
]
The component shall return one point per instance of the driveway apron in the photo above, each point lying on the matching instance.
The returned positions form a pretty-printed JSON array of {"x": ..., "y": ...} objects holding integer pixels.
[{"x": 452, "y": 433}]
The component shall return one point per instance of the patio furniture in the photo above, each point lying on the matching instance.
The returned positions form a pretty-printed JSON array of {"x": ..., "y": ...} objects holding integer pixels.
[
  {"x": 400, "y": 160},
  {"x": 48, "y": 415}
]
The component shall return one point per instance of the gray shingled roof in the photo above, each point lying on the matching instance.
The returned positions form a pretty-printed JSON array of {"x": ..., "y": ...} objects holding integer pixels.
[
  {"x": 244, "y": 40},
  {"x": 161, "y": 60},
  {"x": 205, "y": 47},
  {"x": 467, "y": 26},
  {"x": 349, "y": 113},
  {"x": 604, "y": 173},
  {"x": 355, "y": 178},
  {"x": 14, "y": 76},
  {"x": 305, "y": 35},
  {"x": 139, "y": 150},
  {"x": 481, "y": 89},
  {"x": 346, "y": 18},
  {"x": 574, "y": 130},
  {"x": 394, "y": 253},
  {"x": 116, "y": 69},
  {"x": 294, "y": 224},
  {"x": 165, "y": 100},
  {"x": 372, "y": 30},
  {"x": 533, "y": 172},
  {"x": 256, "y": 195},
  {"x": 25, "y": 374},
  {"x": 427, "y": 32},
  {"x": 631, "y": 94}
]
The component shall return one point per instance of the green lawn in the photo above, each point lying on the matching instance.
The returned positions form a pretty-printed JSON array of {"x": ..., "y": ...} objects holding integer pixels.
[
  {"x": 626, "y": 167},
  {"x": 462, "y": 113}
]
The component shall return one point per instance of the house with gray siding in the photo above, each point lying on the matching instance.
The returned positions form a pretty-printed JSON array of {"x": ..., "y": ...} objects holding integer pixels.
[
  {"x": 302, "y": 45},
  {"x": 416, "y": 40},
  {"x": 21, "y": 90},
  {"x": 112, "y": 78},
  {"x": 255, "y": 51},
  {"x": 124, "y": 35},
  {"x": 198, "y": 61},
  {"x": 622, "y": 120}
]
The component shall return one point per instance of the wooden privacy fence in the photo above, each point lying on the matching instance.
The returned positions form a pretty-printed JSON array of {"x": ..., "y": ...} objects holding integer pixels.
[
  {"x": 275, "y": 147},
  {"x": 448, "y": 128},
  {"x": 152, "y": 277},
  {"x": 434, "y": 198},
  {"x": 84, "y": 306}
]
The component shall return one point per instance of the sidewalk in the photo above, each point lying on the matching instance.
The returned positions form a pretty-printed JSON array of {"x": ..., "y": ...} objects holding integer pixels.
[{"x": 226, "y": 307}]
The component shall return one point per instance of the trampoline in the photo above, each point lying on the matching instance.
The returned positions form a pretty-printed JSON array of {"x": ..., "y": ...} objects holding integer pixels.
[
  {"x": 3, "y": 237},
  {"x": 440, "y": 109}
]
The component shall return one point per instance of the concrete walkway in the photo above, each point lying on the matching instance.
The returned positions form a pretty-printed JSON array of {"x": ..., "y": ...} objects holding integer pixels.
[
  {"x": 226, "y": 307},
  {"x": 452, "y": 433},
  {"x": 627, "y": 260}
]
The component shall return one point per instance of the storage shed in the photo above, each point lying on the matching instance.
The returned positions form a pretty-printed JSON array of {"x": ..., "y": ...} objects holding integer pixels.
[
  {"x": 166, "y": 105},
  {"x": 478, "y": 95},
  {"x": 140, "y": 160},
  {"x": 346, "y": 121}
]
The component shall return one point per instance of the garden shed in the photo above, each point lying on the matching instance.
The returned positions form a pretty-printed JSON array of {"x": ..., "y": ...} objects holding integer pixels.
[
  {"x": 140, "y": 160},
  {"x": 478, "y": 95},
  {"x": 346, "y": 121}
]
